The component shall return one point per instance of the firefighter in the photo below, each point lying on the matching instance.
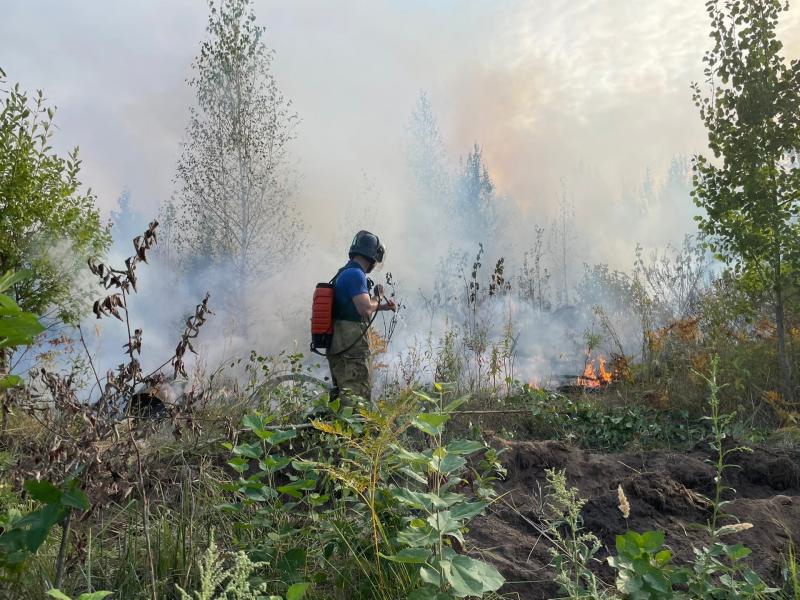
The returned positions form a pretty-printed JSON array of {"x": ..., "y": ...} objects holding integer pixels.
[{"x": 353, "y": 309}]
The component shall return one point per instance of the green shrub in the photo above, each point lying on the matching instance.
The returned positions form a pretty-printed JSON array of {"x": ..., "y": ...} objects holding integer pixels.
[
  {"x": 349, "y": 506},
  {"x": 594, "y": 424}
]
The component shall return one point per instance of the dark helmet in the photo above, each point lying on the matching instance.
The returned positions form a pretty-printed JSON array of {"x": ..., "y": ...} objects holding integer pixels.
[{"x": 368, "y": 245}]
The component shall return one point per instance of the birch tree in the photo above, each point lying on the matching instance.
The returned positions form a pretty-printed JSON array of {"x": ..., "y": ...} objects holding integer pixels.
[{"x": 234, "y": 198}]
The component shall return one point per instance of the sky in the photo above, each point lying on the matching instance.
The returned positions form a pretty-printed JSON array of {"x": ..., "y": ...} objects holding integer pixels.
[
  {"x": 587, "y": 96},
  {"x": 542, "y": 86}
]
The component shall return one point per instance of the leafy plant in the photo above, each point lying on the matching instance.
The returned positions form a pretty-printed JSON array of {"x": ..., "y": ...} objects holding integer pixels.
[
  {"x": 17, "y": 328},
  {"x": 643, "y": 566},
  {"x": 717, "y": 571},
  {"x": 428, "y": 538},
  {"x": 59, "y": 595},
  {"x": 751, "y": 197},
  {"x": 49, "y": 227},
  {"x": 22, "y": 536},
  {"x": 365, "y": 501},
  {"x": 573, "y": 548},
  {"x": 597, "y": 425},
  {"x": 222, "y": 581}
]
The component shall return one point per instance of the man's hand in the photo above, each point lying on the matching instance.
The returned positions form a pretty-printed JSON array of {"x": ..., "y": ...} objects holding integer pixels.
[
  {"x": 368, "y": 306},
  {"x": 390, "y": 304}
]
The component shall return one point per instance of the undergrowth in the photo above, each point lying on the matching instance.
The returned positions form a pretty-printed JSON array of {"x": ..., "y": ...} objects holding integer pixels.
[{"x": 643, "y": 564}]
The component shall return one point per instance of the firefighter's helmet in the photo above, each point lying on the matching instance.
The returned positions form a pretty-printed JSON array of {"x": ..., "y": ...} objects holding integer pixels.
[{"x": 368, "y": 245}]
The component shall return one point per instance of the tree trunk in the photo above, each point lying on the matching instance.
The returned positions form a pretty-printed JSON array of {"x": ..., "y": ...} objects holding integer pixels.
[
  {"x": 784, "y": 366},
  {"x": 4, "y": 360}
]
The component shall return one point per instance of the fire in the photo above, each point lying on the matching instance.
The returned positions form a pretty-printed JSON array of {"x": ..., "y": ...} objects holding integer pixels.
[{"x": 595, "y": 377}]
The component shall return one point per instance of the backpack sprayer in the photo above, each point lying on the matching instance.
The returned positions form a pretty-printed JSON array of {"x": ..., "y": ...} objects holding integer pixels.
[{"x": 322, "y": 318}]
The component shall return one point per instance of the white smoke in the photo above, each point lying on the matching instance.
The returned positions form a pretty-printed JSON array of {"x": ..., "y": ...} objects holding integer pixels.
[{"x": 599, "y": 114}]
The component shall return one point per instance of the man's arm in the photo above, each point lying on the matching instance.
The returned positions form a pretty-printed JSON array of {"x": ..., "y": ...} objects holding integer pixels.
[{"x": 368, "y": 306}]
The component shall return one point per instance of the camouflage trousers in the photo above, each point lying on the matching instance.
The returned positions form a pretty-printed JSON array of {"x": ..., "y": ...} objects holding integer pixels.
[{"x": 350, "y": 369}]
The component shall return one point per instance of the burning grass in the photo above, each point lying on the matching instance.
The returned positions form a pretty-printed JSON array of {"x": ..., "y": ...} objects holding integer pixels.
[{"x": 595, "y": 374}]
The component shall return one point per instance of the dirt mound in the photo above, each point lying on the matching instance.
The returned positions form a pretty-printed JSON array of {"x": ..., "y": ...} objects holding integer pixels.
[{"x": 666, "y": 490}]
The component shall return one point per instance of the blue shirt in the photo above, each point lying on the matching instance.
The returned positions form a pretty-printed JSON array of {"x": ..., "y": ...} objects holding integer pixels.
[{"x": 350, "y": 282}]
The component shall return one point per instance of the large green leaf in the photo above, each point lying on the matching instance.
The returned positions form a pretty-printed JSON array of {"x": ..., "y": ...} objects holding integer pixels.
[
  {"x": 239, "y": 463},
  {"x": 274, "y": 462},
  {"x": 295, "y": 488},
  {"x": 651, "y": 541},
  {"x": 430, "y": 575},
  {"x": 737, "y": 552},
  {"x": 445, "y": 524},
  {"x": 249, "y": 450},
  {"x": 464, "y": 446},
  {"x": 278, "y": 437},
  {"x": 424, "y": 500},
  {"x": 43, "y": 491},
  {"x": 467, "y": 510},
  {"x": 409, "y": 555},
  {"x": 430, "y": 423},
  {"x": 447, "y": 464},
  {"x": 470, "y": 577},
  {"x": 10, "y": 381},
  {"x": 405, "y": 455},
  {"x": 257, "y": 423},
  {"x": 258, "y": 492},
  {"x": 297, "y": 591},
  {"x": 455, "y": 404},
  {"x": 75, "y": 498},
  {"x": 37, "y": 525},
  {"x": 11, "y": 277},
  {"x": 418, "y": 536},
  {"x": 17, "y": 327}
]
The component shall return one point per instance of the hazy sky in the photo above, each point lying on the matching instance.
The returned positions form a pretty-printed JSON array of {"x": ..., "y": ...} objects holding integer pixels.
[{"x": 543, "y": 86}]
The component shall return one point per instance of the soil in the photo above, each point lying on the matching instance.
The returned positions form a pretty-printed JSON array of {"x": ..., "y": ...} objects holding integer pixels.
[{"x": 667, "y": 491}]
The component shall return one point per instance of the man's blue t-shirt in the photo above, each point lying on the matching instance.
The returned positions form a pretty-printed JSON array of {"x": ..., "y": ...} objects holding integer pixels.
[{"x": 350, "y": 282}]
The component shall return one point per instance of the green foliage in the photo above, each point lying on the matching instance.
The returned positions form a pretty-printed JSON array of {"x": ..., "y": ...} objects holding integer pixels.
[
  {"x": 17, "y": 327},
  {"x": 573, "y": 549},
  {"x": 351, "y": 494},
  {"x": 48, "y": 225},
  {"x": 643, "y": 566},
  {"x": 645, "y": 571},
  {"x": 719, "y": 424},
  {"x": 233, "y": 203},
  {"x": 21, "y": 536},
  {"x": 222, "y": 581},
  {"x": 595, "y": 424},
  {"x": 440, "y": 515},
  {"x": 59, "y": 595},
  {"x": 751, "y": 197},
  {"x": 717, "y": 571}
]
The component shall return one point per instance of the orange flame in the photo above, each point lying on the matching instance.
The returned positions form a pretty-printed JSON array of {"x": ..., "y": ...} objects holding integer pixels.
[{"x": 595, "y": 378}]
